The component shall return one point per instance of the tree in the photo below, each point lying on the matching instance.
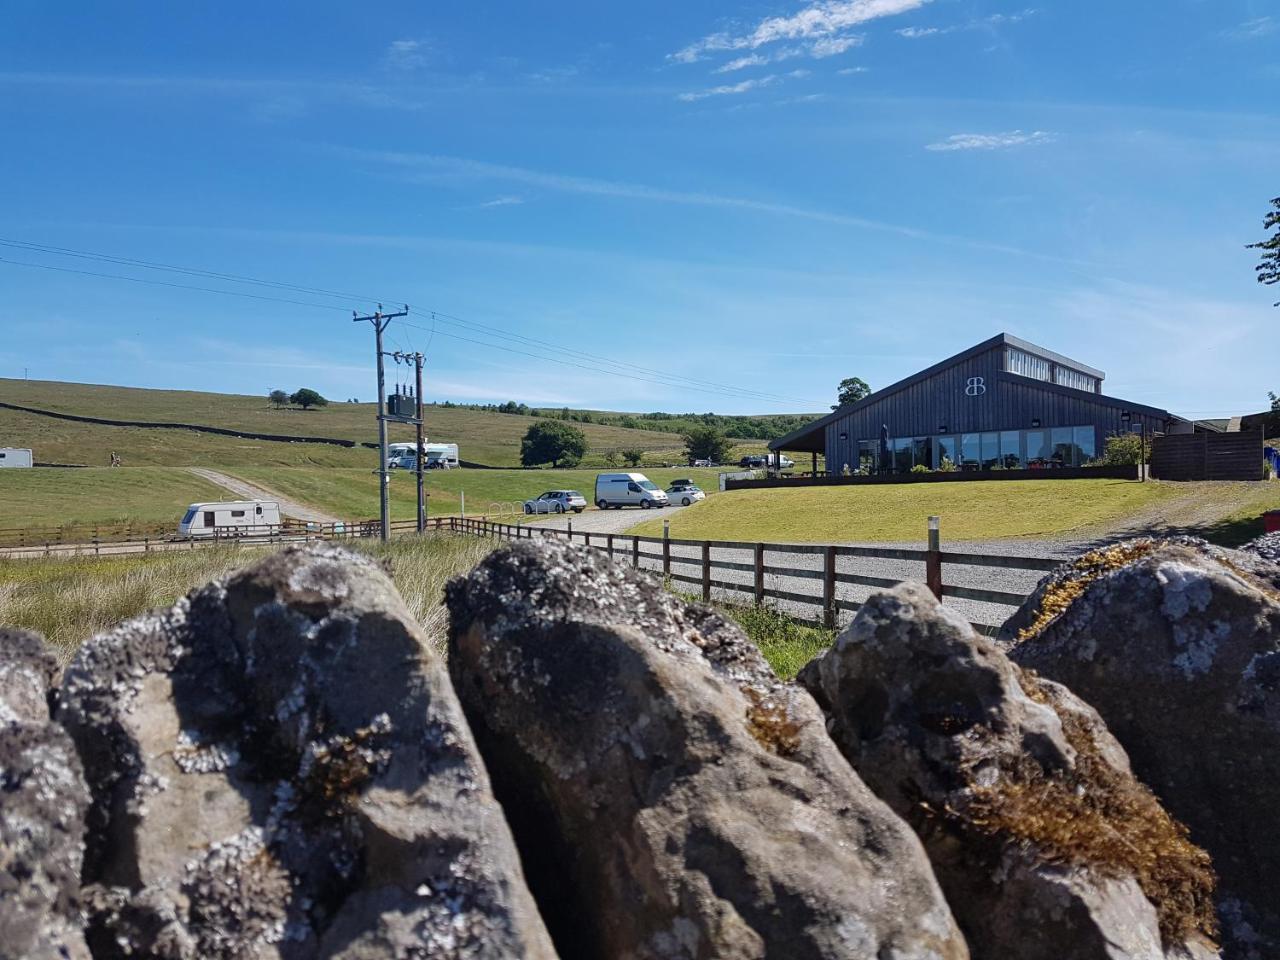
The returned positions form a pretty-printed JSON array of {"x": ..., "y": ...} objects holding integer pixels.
[
  {"x": 278, "y": 397},
  {"x": 1123, "y": 450},
  {"x": 633, "y": 456},
  {"x": 611, "y": 458},
  {"x": 706, "y": 443},
  {"x": 1268, "y": 267},
  {"x": 306, "y": 398},
  {"x": 852, "y": 389},
  {"x": 552, "y": 442}
]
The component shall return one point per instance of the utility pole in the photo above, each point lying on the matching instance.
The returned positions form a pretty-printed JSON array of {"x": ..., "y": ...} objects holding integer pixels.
[{"x": 380, "y": 321}]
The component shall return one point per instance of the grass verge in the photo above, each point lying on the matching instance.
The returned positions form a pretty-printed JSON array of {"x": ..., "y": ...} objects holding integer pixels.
[
  {"x": 69, "y": 599},
  {"x": 49, "y": 497},
  {"x": 900, "y": 512}
]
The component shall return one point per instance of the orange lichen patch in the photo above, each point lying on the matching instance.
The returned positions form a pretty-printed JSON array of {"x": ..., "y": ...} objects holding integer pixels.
[
  {"x": 771, "y": 725},
  {"x": 1095, "y": 816},
  {"x": 1085, "y": 569}
]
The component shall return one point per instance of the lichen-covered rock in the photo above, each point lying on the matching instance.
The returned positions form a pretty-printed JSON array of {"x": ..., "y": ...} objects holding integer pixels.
[
  {"x": 1177, "y": 645},
  {"x": 43, "y": 799},
  {"x": 1045, "y": 845},
  {"x": 280, "y": 769},
  {"x": 1266, "y": 546},
  {"x": 671, "y": 798}
]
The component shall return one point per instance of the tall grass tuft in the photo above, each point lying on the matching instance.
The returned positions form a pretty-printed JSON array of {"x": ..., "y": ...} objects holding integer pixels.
[{"x": 69, "y": 599}]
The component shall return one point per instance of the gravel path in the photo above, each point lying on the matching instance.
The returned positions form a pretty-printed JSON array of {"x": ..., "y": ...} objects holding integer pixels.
[
  {"x": 598, "y": 521},
  {"x": 252, "y": 491}
]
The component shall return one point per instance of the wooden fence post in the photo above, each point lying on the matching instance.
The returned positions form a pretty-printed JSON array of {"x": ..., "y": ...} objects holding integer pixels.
[
  {"x": 610, "y": 541},
  {"x": 666, "y": 548},
  {"x": 829, "y": 588},
  {"x": 706, "y": 570},
  {"x": 759, "y": 574},
  {"x": 635, "y": 552},
  {"x": 933, "y": 559}
]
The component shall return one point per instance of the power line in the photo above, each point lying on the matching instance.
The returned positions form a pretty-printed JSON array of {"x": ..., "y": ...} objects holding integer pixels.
[{"x": 655, "y": 376}]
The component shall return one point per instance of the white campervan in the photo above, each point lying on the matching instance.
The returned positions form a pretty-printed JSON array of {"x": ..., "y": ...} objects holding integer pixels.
[
  {"x": 15, "y": 457},
  {"x": 230, "y": 518},
  {"x": 628, "y": 490}
]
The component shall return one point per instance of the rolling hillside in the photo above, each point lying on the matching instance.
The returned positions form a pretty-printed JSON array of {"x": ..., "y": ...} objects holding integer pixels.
[{"x": 482, "y": 436}]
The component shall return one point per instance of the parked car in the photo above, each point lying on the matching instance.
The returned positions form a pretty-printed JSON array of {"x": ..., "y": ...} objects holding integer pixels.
[
  {"x": 703, "y": 463},
  {"x": 628, "y": 490},
  {"x": 764, "y": 462},
  {"x": 684, "y": 493},
  {"x": 557, "y": 501}
]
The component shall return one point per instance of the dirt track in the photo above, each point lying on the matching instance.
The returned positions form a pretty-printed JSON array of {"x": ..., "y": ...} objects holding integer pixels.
[{"x": 251, "y": 491}]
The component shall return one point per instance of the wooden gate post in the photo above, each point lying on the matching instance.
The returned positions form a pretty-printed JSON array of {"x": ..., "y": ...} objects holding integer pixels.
[
  {"x": 829, "y": 588},
  {"x": 933, "y": 559},
  {"x": 666, "y": 548},
  {"x": 609, "y": 539},
  {"x": 706, "y": 570},
  {"x": 635, "y": 552},
  {"x": 759, "y": 574}
]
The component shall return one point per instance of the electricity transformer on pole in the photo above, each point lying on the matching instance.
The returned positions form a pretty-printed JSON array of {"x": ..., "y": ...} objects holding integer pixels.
[
  {"x": 380, "y": 321},
  {"x": 397, "y": 413}
]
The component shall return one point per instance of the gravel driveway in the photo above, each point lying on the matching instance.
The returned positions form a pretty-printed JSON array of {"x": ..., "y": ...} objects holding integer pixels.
[{"x": 251, "y": 491}]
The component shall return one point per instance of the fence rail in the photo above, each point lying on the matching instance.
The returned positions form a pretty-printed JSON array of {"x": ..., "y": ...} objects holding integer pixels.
[
  {"x": 789, "y": 572},
  {"x": 815, "y": 584}
]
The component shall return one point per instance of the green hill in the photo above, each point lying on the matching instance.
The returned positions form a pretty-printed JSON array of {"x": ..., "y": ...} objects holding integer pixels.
[{"x": 482, "y": 436}]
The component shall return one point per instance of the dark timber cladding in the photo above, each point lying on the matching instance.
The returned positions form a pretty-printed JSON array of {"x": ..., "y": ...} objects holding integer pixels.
[{"x": 1004, "y": 403}]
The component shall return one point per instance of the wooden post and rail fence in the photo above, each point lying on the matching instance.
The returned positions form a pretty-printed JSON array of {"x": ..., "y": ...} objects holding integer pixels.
[{"x": 726, "y": 571}]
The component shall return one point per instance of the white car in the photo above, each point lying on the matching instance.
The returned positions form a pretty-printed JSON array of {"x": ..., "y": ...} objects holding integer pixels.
[
  {"x": 556, "y": 501},
  {"x": 684, "y": 494}
]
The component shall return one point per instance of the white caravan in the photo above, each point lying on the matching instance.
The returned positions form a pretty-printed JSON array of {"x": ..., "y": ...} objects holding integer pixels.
[
  {"x": 628, "y": 490},
  {"x": 234, "y": 518},
  {"x": 15, "y": 457},
  {"x": 438, "y": 456}
]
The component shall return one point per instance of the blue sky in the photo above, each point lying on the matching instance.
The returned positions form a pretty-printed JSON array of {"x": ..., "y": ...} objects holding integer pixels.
[{"x": 769, "y": 196}]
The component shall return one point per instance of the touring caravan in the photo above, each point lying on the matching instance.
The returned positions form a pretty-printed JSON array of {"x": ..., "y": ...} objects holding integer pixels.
[
  {"x": 230, "y": 518},
  {"x": 15, "y": 457},
  {"x": 438, "y": 456},
  {"x": 628, "y": 490}
]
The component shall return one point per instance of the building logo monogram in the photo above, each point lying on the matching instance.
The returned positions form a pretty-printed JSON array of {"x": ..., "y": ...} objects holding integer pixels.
[{"x": 975, "y": 387}]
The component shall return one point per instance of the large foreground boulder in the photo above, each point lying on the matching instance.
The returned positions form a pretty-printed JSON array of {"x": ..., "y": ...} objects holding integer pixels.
[
  {"x": 43, "y": 799},
  {"x": 279, "y": 768},
  {"x": 1045, "y": 845},
  {"x": 671, "y": 798},
  {"x": 1177, "y": 645}
]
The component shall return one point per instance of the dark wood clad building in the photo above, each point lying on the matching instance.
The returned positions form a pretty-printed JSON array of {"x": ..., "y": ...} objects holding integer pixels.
[{"x": 1004, "y": 402}]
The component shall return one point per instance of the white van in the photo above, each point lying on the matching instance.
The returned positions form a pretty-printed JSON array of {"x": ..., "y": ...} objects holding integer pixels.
[
  {"x": 628, "y": 490},
  {"x": 230, "y": 518},
  {"x": 15, "y": 457}
]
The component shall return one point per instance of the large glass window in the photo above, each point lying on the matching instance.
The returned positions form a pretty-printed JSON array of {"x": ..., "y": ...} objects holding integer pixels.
[
  {"x": 1011, "y": 449},
  {"x": 922, "y": 452},
  {"x": 1063, "y": 447},
  {"x": 901, "y": 454},
  {"x": 1086, "y": 443},
  {"x": 1038, "y": 449},
  {"x": 1028, "y": 365},
  {"x": 990, "y": 450},
  {"x": 948, "y": 448},
  {"x": 866, "y": 456},
  {"x": 1074, "y": 378},
  {"x": 970, "y": 451}
]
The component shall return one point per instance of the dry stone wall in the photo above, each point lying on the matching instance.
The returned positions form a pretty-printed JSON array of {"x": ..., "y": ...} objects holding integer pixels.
[{"x": 280, "y": 767}]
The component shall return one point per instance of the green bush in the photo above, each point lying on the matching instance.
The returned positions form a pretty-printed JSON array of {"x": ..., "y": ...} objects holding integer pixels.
[
  {"x": 947, "y": 466},
  {"x": 920, "y": 468},
  {"x": 1122, "y": 450}
]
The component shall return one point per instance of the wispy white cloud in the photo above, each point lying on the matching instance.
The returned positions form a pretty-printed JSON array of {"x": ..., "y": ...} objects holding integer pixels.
[
  {"x": 981, "y": 23},
  {"x": 991, "y": 141},
  {"x": 1252, "y": 29},
  {"x": 554, "y": 74},
  {"x": 729, "y": 89},
  {"x": 740, "y": 63},
  {"x": 434, "y": 168},
  {"x": 817, "y": 21},
  {"x": 849, "y": 71},
  {"x": 406, "y": 55},
  {"x": 833, "y": 46},
  {"x": 509, "y": 200}
]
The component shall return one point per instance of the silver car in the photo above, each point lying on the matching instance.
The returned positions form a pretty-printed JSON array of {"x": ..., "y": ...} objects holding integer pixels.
[
  {"x": 684, "y": 493},
  {"x": 556, "y": 501}
]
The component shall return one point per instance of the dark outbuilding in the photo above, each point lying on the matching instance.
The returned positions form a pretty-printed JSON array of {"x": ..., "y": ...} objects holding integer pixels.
[{"x": 1003, "y": 404}]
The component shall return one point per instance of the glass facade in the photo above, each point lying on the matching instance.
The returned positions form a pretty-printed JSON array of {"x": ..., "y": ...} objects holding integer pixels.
[
  {"x": 1038, "y": 368},
  {"x": 993, "y": 450},
  {"x": 1028, "y": 365},
  {"x": 1074, "y": 378}
]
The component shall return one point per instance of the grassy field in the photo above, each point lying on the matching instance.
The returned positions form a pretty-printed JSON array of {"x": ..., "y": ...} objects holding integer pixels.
[
  {"x": 354, "y": 493},
  {"x": 969, "y": 511},
  {"x": 71, "y": 599},
  {"x": 44, "y": 497},
  {"x": 482, "y": 436}
]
